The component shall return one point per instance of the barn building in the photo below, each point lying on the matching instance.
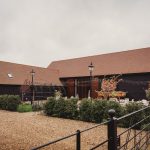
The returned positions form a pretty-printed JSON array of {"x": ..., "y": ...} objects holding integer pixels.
[
  {"x": 72, "y": 76},
  {"x": 17, "y": 79},
  {"x": 133, "y": 66}
]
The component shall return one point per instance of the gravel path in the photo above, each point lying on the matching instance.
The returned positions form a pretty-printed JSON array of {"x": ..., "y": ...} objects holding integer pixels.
[{"x": 23, "y": 131}]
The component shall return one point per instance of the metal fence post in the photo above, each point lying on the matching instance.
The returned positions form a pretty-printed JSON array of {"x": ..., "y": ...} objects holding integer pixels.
[
  {"x": 78, "y": 140},
  {"x": 112, "y": 131}
]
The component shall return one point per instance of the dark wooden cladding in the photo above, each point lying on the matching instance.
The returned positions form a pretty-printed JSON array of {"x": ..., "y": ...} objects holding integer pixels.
[
  {"x": 134, "y": 84},
  {"x": 83, "y": 87},
  {"x": 10, "y": 89},
  {"x": 70, "y": 84},
  {"x": 41, "y": 92}
]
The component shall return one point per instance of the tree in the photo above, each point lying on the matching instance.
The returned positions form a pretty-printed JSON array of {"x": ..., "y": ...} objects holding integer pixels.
[{"x": 109, "y": 85}]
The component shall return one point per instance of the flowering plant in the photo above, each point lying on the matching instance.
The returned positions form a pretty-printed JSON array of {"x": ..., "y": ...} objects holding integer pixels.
[{"x": 109, "y": 85}]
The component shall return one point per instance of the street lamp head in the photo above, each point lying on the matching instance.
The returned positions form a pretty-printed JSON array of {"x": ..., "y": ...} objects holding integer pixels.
[
  {"x": 32, "y": 72},
  {"x": 91, "y": 67}
]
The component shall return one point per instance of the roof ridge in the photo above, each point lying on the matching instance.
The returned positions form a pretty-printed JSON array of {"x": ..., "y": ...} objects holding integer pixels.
[
  {"x": 129, "y": 61},
  {"x": 124, "y": 51},
  {"x": 21, "y": 64}
]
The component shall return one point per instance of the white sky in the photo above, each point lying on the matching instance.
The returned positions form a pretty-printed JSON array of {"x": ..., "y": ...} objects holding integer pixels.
[{"x": 37, "y": 32}]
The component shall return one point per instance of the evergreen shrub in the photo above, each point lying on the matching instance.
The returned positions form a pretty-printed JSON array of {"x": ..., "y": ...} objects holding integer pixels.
[
  {"x": 131, "y": 120},
  {"x": 116, "y": 106},
  {"x": 3, "y": 102},
  {"x": 86, "y": 110},
  {"x": 95, "y": 111},
  {"x": 24, "y": 108},
  {"x": 9, "y": 102},
  {"x": 49, "y": 106},
  {"x": 59, "y": 108},
  {"x": 62, "y": 108},
  {"x": 99, "y": 110},
  {"x": 12, "y": 102},
  {"x": 70, "y": 109}
]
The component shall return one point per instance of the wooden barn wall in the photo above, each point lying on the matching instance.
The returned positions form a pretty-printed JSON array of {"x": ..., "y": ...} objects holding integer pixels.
[
  {"x": 69, "y": 86},
  {"x": 83, "y": 87},
  {"x": 41, "y": 92},
  {"x": 133, "y": 84},
  {"x": 10, "y": 89},
  {"x": 95, "y": 86}
]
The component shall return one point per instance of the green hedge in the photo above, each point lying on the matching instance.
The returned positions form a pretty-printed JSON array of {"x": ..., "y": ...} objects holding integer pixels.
[
  {"x": 89, "y": 110},
  {"x": 24, "y": 108},
  {"x": 9, "y": 102},
  {"x": 70, "y": 110},
  {"x": 120, "y": 110},
  {"x": 95, "y": 110},
  {"x": 3, "y": 101},
  {"x": 49, "y": 106},
  {"x": 86, "y": 110},
  {"x": 99, "y": 111},
  {"x": 131, "y": 120},
  {"x": 61, "y": 108}
]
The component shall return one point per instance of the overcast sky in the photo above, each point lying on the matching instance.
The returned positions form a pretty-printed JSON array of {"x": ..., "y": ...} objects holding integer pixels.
[{"x": 37, "y": 32}]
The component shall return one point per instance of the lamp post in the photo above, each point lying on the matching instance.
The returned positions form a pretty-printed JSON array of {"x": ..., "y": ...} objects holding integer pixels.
[
  {"x": 91, "y": 68},
  {"x": 32, "y": 85}
]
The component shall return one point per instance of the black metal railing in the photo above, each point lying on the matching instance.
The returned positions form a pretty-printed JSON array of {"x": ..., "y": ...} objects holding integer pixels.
[
  {"x": 78, "y": 138},
  {"x": 131, "y": 138},
  {"x": 137, "y": 135}
]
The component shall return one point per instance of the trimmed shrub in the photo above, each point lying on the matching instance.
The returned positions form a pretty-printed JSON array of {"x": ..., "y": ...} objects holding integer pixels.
[
  {"x": 99, "y": 108},
  {"x": 70, "y": 110},
  {"x": 12, "y": 102},
  {"x": 9, "y": 102},
  {"x": 94, "y": 110},
  {"x": 86, "y": 110},
  {"x": 3, "y": 101},
  {"x": 59, "y": 108},
  {"x": 49, "y": 106},
  {"x": 24, "y": 108},
  {"x": 116, "y": 106},
  {"x": 131, "y": 120}
]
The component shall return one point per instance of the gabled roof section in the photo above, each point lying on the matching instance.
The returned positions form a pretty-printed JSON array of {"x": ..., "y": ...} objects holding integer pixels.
[
  {"x": 18, "y": 74},
  {"x": 131, "y": 61}
]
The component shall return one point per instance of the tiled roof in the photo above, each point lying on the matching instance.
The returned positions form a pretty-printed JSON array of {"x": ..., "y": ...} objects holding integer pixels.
[
  {"x": 131, "y": 61},
  {"x": 17, "y": 74}
]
